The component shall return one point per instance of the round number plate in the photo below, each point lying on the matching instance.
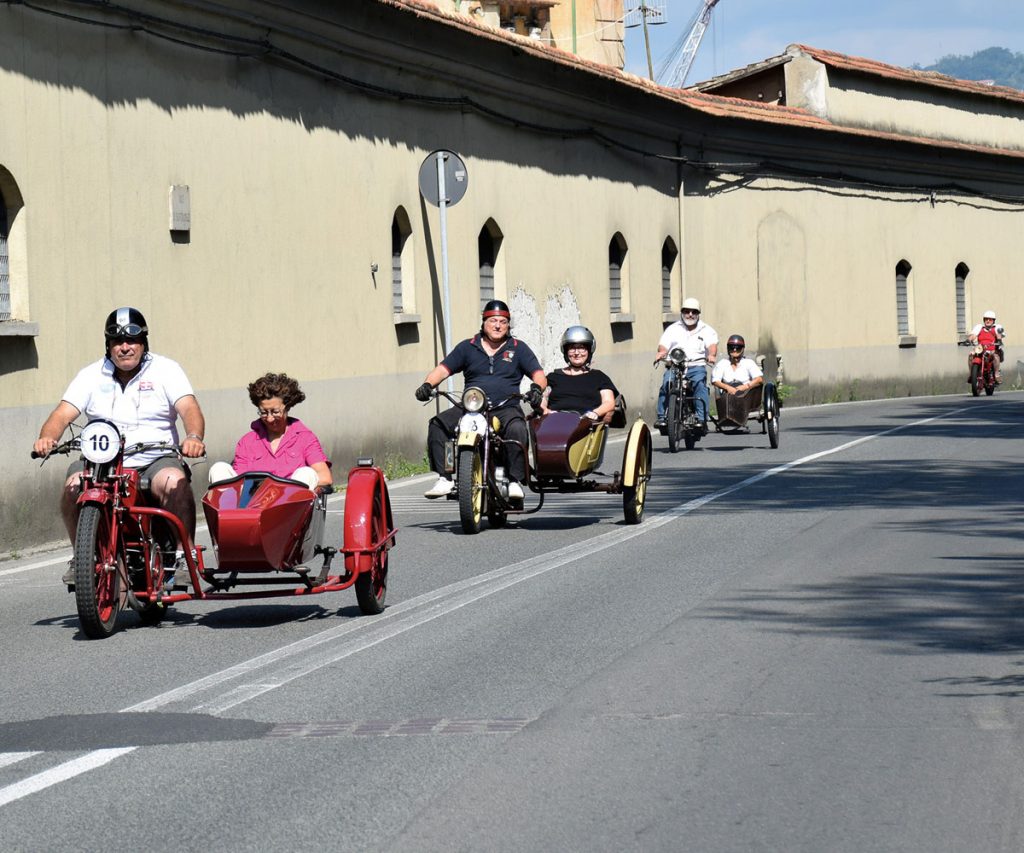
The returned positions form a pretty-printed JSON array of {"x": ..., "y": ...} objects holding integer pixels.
[{"x": 100, "y": 442}]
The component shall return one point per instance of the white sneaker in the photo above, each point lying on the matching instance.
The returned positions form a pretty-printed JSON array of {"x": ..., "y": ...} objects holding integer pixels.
[
  {"x": 442, "y": 487},
  {"x": 515, "y": 491}
]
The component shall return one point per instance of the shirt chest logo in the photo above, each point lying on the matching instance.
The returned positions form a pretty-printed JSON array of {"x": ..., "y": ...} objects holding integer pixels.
[
  {"x": 145, "y": 385},
  {"x": 508, "y": 355}
]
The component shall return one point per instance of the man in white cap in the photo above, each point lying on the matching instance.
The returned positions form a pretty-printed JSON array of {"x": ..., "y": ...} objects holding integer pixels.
[{"x": 700, "y": 343}]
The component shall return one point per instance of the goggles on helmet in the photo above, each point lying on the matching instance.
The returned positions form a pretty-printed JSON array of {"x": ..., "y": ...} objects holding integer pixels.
[{"x": 129, "y": 330}]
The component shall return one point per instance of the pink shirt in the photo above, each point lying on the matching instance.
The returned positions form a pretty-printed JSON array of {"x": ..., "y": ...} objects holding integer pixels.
[{"x": 298, "y": 447}]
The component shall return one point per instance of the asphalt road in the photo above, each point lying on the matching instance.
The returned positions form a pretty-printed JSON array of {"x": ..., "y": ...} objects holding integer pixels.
[{"x": 817, "y": 648}]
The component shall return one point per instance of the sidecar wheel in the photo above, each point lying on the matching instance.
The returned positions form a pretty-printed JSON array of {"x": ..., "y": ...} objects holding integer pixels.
[
  {"x": 634, "y": 497},
  {"x": 100, "y": 574},
  {"x": 471, "y": 490},
  {"x": 372, "y": 586},
  {"x": 772, "y": 418},
  {"x": 975, "y": 380}
]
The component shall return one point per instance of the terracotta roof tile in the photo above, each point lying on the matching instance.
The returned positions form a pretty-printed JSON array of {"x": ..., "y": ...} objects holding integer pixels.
[
  {"x": 874, "y": 68},
  {"x": 719, "y": 105}
]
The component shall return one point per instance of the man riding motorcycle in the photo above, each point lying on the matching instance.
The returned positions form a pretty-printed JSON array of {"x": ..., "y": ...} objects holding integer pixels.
[
  {"x": 700, "y": 343},
  {"x": 495, "y": 362},
  {"x": 990, "y": 336},
  {"x": 144, "y": 394}
]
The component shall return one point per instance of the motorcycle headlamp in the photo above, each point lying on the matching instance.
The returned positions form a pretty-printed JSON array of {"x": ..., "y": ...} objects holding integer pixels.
[
  {"x": 473, "y": 399},
  {"x": 677, "y": 356}
]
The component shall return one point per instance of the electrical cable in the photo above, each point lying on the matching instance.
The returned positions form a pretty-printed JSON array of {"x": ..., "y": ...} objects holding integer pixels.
[{"x": 261, "y": 49}]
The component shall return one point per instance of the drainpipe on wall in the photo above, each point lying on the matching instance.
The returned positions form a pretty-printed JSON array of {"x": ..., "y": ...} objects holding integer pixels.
[{"x": 574, "y": 26}]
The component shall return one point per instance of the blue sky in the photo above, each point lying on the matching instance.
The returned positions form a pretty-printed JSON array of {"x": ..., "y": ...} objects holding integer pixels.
[{"x": 900, "y": 32}]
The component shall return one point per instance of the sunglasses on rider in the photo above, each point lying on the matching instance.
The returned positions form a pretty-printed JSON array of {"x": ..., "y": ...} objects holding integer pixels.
[
  {"x": 735, "y": 349},
  {"x": 128, "y": 331}
]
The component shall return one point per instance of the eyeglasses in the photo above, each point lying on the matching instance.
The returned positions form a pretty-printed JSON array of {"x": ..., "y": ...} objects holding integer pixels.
[
  {"x": 270, "y": 413},
  {"x": 692, "y": 313},
  {"x": 578, "y": 348},
  {"x": 129, "y": 330},
  {"x": 735, "y": 349}
]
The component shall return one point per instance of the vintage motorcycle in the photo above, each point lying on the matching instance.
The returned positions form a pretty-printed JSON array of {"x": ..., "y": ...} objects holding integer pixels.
[
  {"x": 681, "y": 421},
  {"x": 266, "y": 530},
  {"x": 981, "y": 367},
  {"x": 565, "y": 450}
]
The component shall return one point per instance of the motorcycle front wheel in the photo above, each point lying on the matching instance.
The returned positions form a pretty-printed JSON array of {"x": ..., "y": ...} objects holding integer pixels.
[
  {"x": 674, "y": 422},
  {"x": 471, "y": 489},
  {"x": 99, "y": 574},
  {"x": 975, "y": 380}
]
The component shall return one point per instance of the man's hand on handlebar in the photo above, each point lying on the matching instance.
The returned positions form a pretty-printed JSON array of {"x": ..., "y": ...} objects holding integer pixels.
[
  {"x": 193, "y": 447},
  {"x": 424, "y": 391},
  {"x": 533, "y": 396},
  {"x": 43, "y": 447}
]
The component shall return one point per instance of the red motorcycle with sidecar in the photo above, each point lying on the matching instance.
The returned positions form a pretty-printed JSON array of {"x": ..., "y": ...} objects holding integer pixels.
[{"x": 267, "y": 531}]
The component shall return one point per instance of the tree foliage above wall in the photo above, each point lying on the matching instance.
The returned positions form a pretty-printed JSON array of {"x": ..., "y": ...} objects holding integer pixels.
[{"x": 1002, "y": 66}]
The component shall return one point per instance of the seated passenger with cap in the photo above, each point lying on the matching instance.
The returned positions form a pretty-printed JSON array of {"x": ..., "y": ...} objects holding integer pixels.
[
  {"x": 736, "y": 374},
  {"x": 577, "y": 387},
  {"x": 276, "y": 443}
]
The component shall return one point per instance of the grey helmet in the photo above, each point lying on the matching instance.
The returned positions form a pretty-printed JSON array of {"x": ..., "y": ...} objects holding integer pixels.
[{"x": 578, "y": 335}]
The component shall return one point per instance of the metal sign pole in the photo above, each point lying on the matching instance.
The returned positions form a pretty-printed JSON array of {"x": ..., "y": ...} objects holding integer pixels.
[{"x": 442, "y": 204}]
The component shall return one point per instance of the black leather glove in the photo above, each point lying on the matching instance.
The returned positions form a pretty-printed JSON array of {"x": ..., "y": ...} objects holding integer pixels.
[
  {"x": 533, "y": 395},
  {"x": 423, "y": 392}
]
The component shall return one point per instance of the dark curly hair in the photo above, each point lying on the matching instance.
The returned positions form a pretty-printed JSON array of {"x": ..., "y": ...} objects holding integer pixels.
[{"x": 272, "y": 385}]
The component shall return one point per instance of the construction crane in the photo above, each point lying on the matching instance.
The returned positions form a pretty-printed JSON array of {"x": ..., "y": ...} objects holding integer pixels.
[{"x": 678, "y": 65}]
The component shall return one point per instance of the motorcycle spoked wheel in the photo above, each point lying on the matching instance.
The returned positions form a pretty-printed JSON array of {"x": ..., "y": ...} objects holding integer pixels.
[
  {"x": 975, "y": 380},
  {"x": 372, "y": 586},
  {"x": 151, "y": 612},
  {"x": 471, "y": 489},
  {"x": 100, "y": 574},
  {"x": 674, "y": 424}
]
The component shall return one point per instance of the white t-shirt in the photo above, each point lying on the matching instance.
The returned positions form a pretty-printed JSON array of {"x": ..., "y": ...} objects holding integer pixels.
[
  {"x": 745, "y": 370},
  {"x": 143, "y": 410},
  {"x": 694, "y": 342}
]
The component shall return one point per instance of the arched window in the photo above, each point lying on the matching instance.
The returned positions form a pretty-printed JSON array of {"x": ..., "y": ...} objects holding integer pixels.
[
  {"x": 962, "y": 272},
  {"x": 903, "y": 298},
  {"x": 402, "y": 278},
  {"x": 5, "y": 275},
  {"x": 618, "y": 279},
  {"x": 669, "y": 253},
  {"x": 490, "y": 259}
]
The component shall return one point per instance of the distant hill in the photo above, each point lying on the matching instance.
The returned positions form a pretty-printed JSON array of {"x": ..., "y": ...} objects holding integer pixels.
[{"x": 998, "y": 64}]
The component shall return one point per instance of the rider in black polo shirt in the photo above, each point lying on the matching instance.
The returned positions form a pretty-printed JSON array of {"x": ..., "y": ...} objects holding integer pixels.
[{"x": 495, "y": 362}]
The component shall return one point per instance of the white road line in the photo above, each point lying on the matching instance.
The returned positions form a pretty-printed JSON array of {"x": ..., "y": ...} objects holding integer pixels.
[
  {"x": 61, "y": 773},
  {"x": 395, "y": 621},
  {"x": 9, "y": 758}
]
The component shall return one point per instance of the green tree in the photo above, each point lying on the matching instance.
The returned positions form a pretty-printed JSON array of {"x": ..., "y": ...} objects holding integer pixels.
[{"x": 1002, "y": 66}]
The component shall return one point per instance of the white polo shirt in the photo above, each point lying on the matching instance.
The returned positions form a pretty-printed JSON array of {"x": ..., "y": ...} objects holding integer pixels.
[
  {"x": 694, "y": 342},
  {"x": 143, "y": 410},
  {"x": 745, "y": 370}
]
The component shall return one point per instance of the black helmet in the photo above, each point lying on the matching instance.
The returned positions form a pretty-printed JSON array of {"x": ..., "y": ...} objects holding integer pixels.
[
  {"x": 126, "y": 323},
  {"x": 735, "y": 341},
  {"x": 496, "y": 308},
  {"x": 578, "y": 335}
]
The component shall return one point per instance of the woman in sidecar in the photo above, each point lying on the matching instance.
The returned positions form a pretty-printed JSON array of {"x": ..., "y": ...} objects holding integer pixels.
[
  {"x": 741, "y": 393},
  {"x": 569, "y": 435},
  {"x": 277, "y": 443}
]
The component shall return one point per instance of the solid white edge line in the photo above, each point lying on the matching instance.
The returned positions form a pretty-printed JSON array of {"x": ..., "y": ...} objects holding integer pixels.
[{"x": 61, "y": 773}]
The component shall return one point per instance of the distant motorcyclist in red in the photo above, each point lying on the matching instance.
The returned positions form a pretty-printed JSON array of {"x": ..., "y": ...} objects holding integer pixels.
[
  {"x": 990, "y": 335},
  {"x": 495, "y": 362}
]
